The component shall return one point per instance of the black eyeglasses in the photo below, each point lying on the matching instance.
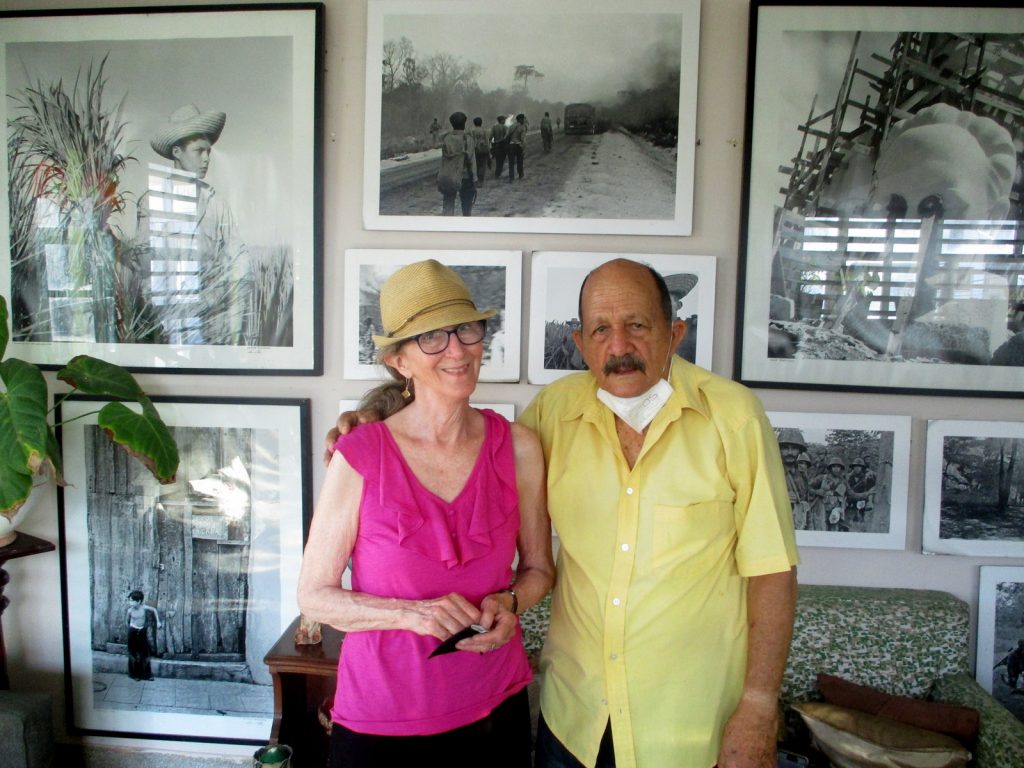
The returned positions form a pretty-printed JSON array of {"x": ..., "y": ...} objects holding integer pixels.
[{"x": 436, "y": 342}]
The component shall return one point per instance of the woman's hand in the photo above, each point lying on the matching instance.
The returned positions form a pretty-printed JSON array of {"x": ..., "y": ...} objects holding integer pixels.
[
  {"x": 442, "y": 617},
  {"x": 499, "y": 621}
]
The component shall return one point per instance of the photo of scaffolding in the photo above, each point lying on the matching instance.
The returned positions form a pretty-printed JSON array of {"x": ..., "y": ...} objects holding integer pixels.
[{"x": 895, "y": 205}]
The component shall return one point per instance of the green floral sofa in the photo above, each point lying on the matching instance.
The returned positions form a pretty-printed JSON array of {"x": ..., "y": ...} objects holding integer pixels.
[
  {"x": 901, "y": 641},
  {"x": 905, "y": 642}
]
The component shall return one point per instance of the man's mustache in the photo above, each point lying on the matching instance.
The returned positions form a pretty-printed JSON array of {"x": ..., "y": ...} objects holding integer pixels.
[{"x": 624, "y": 364}]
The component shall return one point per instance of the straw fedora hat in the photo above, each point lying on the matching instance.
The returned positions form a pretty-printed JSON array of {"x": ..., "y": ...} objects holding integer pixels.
[
  {"x": 184, "y": 122},
  {"x": 423, "y": 297}
]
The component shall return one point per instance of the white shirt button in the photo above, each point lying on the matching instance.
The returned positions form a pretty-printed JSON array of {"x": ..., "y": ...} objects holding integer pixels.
[
  {"x": 625, "y": 547},
  {"x": 629, "y": 491},
  {"x": 616, "y": 601},
  {"x": 614, "y": 656}
]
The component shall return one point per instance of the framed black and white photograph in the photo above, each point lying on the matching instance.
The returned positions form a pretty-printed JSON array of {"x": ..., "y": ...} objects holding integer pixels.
[
  {"x": 574, "y": 117},
  {"x": 880, "y": 244},
  {"x": 847, "y": 477},
  {"x": 974, "y": 488},
  {"x": 494, "y": 279},
  {"x": 1000, "y": 652},
  {"x": 556, "y": 277},
  {"x": 161, "y": 185},
  {"x": 173, "y": 594}
]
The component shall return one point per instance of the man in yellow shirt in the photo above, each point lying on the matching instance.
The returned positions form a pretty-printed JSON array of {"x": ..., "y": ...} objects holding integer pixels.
[{"x": 676, "y": 584}]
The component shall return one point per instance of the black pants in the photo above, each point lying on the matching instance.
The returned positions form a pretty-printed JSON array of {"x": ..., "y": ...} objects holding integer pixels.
[
  {"x": 515, "y": 160},
  {"x": 467, "y": 196},
  {"x": 482, "y": 159},
  {"x": 499, "y": 151},
  {"x": 501, "y": 740},
  {"x": 138, "y": 654},
  {"x": 551, "y": 753}
]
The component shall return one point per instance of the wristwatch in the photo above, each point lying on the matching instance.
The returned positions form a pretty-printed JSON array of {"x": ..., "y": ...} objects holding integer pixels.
[{"x": 515, "y": 600}]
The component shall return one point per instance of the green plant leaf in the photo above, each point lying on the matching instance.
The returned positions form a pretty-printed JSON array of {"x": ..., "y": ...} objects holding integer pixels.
[
  {"x": 53, "y": 454},
  {"x": 144, "y": 435},
  {"x": 5, "y": 335},
  {"x": 23, "y": 431},
  {"x": 98, "y": 377}
]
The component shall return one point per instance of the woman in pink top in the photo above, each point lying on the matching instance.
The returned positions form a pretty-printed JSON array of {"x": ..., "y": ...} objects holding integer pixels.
[{"x": 431, "y": 505}]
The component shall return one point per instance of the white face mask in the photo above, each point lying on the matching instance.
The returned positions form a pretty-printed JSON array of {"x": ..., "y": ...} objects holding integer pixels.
[{"x": 638, "y": 411}]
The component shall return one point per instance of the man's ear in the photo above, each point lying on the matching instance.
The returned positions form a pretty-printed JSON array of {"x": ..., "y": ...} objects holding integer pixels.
[
  {"x": 679, "y": 329},
  {"x": 577, "y": 339},
  {"x": 176, "y": 152}
]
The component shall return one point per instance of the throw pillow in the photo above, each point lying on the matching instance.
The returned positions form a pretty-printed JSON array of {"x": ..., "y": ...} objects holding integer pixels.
[
  {"x": 853, "y": 739},
  {"x": 961, "y": 723}
]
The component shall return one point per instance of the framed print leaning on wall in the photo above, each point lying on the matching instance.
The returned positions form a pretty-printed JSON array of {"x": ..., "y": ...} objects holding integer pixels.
[
  {"x": 1000, "y": 652},
  {"x": 494, "y": 280},
  {"x": 881, "y": 245},
  {"x": 161, "y": 185},
  {"x": 592, "y": 103},
  {"x": 974, "y": 488},
  {"x": 556, "y": 277},
  {"x": 173, "y": 594},
  {"x": 847, "y": 477}
]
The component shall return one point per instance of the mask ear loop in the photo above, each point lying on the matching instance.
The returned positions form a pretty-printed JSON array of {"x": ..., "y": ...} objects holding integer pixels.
[{"x": 668, "y": 365}]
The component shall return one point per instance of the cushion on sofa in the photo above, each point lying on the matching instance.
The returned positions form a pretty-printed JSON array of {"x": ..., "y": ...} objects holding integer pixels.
[
  {"x": 950, "y": 719},
  {"x": 854, "y": 739}
]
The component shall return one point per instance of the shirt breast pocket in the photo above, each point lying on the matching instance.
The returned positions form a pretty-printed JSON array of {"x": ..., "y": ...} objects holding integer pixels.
[{"x": 691, "y": 532}]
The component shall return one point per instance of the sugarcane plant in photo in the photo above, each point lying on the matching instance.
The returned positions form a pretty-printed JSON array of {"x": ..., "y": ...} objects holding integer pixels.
[
  {"x": 65, "y": 160},
  {"x": 29, "y": 451}
]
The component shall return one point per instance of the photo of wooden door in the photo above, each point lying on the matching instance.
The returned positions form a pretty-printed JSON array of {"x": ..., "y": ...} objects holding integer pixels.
[{"x": 186, "y": 546}]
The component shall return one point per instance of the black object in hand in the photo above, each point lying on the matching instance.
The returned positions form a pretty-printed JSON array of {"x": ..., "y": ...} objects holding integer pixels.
[{"x": 448, "y": 646}]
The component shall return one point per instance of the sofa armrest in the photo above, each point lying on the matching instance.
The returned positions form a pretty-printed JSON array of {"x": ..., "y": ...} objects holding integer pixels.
[{"x": 1001, "y": 736}]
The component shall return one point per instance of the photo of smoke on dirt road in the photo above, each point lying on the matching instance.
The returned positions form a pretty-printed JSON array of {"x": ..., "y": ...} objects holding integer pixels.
[{"x": 518, "y": 115}]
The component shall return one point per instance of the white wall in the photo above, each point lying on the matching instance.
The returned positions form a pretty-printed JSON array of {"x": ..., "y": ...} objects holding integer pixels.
[{"x": 32, "y": 624}]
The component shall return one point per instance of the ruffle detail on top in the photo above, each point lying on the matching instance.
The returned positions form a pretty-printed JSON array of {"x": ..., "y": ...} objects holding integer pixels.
[{"x": 458, "y": 532}]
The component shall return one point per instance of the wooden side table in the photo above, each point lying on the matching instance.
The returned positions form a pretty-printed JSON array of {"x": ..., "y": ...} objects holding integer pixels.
[
  {"x": 23, "y": 546},
  {"x": 303, "y": 675}
]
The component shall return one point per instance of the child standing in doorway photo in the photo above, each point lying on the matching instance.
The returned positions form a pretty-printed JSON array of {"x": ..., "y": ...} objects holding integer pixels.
[{"x": 138, "y": 636}]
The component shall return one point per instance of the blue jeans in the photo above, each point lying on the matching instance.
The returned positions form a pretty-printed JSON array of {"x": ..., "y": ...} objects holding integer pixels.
[{"x": 551, "y": 753}]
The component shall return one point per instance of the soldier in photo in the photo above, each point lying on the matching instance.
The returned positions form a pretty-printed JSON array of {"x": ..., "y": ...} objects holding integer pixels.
[
  {"x": 792, "y": 446},
  {"x": 860, "y": 492}
]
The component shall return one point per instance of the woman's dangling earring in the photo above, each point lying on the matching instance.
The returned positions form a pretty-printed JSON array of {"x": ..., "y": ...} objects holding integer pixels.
[{"x": 407, "y": 393}]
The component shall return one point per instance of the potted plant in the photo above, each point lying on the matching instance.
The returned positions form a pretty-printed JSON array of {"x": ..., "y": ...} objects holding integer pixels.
[{"x": 29, "y": 453}]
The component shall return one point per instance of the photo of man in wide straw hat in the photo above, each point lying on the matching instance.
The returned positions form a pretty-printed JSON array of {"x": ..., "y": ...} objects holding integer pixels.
[{"x": 186, "y": 222}]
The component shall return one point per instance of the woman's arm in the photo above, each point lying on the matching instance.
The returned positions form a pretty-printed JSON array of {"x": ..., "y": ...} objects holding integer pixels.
[
  {"x": 332, "y": 536},
  {"x": 535, "y": 572}
]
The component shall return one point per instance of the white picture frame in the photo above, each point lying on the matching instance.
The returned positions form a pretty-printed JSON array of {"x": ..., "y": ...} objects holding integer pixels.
[
  {"x": 491, "y": 276},
  {"x": 1000, "y": 602},
  {"x": 962, "y": 494},
  {"x": 596, "y": 52},
  {"x": 556, "y": 277},
  {"x": 883, "y": 443}
]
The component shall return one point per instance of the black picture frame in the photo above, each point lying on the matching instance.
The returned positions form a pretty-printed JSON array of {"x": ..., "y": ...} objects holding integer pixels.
[
  {"x": 215, "y": 555},
  {"x": 171, "y": 263},
  {"x": 868, "y": 261}
]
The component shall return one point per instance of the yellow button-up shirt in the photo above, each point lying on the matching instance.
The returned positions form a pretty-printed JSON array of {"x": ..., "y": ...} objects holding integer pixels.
[{"x": 648, "y": 617}]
